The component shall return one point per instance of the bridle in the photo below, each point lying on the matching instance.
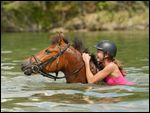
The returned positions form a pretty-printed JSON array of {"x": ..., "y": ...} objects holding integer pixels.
[{"x": 38, "y": 67}]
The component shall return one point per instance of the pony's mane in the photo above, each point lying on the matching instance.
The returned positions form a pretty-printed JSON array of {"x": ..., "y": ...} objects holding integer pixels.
[{"x": 78, "y": 44}]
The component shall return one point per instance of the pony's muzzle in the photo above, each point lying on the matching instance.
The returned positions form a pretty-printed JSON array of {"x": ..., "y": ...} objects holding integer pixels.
[
  {"x": 26, "y": 68},
  {"x": 28, "y": 72},
  {"x": 25, "y": 65}
]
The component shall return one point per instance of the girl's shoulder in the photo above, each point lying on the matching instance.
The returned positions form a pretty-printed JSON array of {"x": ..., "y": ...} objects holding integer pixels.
[
  {"x": 114, "y": 68},
  {"x": 111, "y": 65}
]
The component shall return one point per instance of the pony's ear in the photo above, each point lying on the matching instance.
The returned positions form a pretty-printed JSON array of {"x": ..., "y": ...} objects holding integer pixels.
[{"x": 61, "y": 38}]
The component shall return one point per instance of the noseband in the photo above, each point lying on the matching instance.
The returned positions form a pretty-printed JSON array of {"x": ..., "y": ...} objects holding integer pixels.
[{"x": 38, "y": 67}]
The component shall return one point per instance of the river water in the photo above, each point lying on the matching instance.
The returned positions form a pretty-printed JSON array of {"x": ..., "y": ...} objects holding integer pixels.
[{"x": 37, "y": 93}]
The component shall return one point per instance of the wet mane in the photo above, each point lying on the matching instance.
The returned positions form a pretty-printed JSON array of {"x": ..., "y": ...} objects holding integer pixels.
[{"x": 78, "y": 44}]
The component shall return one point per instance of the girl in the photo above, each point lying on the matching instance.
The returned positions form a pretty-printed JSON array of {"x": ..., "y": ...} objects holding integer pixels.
[{"x": 112, "y": 72}]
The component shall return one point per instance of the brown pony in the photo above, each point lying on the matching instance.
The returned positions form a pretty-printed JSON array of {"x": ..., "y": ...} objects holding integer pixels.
[{"x": 60, "y": 56}]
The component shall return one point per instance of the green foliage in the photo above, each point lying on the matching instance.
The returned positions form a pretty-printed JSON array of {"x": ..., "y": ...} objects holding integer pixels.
[
  {"x": 106, "y": 5},
  {"x": 45, "y": 15}
]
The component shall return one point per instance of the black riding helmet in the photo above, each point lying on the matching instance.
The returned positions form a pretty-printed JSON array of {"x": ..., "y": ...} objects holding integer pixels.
[{"x": 107, "y": 47}]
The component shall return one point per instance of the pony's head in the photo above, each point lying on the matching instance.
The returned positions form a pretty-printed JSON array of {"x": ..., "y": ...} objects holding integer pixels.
[{"x": 47, "y": 60}]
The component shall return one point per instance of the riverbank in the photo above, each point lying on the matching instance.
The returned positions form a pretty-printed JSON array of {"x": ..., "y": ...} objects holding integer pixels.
[
  {"x": 101, "y": 21},
  {"x": 106, "y": 21},
  {"x": 64, "y": 16}
]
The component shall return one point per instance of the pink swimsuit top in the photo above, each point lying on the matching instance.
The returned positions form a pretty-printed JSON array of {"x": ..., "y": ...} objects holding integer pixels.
[{"x": 120, "y": 80}]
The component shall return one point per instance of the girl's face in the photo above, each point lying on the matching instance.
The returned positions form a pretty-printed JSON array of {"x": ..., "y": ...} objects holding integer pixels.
[{"x": 100, "y": 55}]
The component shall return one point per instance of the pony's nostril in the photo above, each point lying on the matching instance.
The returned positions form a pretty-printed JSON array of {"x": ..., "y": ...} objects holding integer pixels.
[
  {"x": 26, "y": 68},
  {"x": 23, "y": 67}
]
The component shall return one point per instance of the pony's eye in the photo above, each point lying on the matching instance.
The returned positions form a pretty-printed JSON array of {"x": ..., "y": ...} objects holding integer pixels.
[{"x": 47, "y": 51}]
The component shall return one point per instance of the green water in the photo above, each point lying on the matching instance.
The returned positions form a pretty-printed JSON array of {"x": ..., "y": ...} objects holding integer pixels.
[{"x": 37, "y": 93}]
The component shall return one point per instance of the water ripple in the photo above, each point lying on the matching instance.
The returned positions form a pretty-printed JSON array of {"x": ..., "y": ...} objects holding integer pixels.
[{"x": 5, "y": 52}]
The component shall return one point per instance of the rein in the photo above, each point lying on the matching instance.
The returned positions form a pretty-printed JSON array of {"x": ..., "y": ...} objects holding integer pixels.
[{"x": 38, "y": 68}]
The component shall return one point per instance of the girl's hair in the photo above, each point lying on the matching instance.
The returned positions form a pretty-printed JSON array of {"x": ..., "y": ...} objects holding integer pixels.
[
  {"x": 120, "y": 66},
  {"x": 118, "y": 63}
]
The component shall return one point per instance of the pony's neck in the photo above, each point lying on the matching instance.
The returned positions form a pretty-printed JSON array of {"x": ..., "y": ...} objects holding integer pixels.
[{"x": 75, "y": 68}]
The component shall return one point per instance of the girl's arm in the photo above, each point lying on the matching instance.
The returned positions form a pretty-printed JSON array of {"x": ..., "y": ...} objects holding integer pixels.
[{"x": 98, "y": 76}]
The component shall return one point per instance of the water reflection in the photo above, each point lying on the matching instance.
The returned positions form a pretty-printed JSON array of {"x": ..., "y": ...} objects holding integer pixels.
[{"x": 34, "y": 93}]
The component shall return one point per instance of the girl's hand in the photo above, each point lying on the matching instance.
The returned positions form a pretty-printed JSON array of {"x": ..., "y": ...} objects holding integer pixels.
[{"x": 86, "y": 58}]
